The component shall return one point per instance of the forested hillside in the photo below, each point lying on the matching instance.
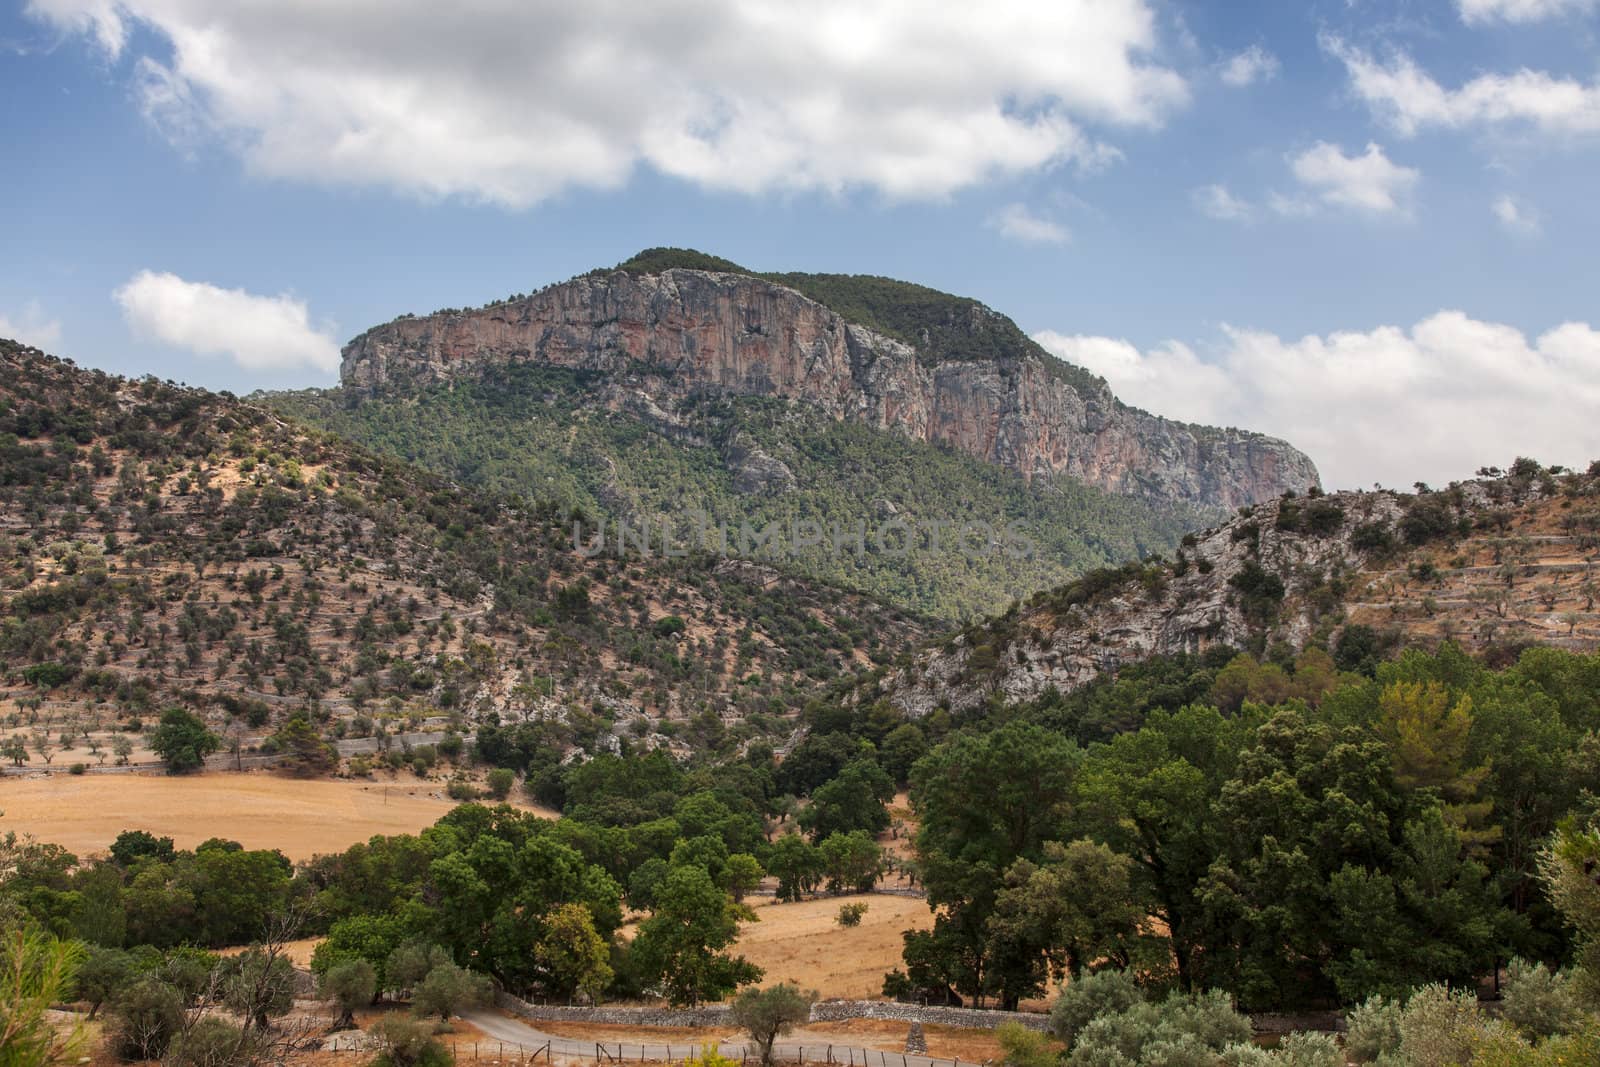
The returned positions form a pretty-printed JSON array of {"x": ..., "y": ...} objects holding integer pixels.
[{"x": 551, "y": 434}]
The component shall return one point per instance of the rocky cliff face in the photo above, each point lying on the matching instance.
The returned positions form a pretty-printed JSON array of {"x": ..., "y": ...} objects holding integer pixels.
[
  {"x": 1505, "y": 562},
  {"x": 688, "y": 332},
  {"x": 1070, "y": 636}
]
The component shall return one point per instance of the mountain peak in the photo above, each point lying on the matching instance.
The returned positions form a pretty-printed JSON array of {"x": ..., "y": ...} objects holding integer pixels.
[{"x": 937, "y": 368}]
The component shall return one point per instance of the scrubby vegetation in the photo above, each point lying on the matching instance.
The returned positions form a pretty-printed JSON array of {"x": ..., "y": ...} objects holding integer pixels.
[
  {"x": 164, "y": 548},
  {"x": 540, "y": 432}
]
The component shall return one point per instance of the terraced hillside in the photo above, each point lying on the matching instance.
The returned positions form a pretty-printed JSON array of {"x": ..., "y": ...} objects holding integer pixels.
[
  {"x": 1493, "y": 564},
  {"x": 162, "y": 545}
]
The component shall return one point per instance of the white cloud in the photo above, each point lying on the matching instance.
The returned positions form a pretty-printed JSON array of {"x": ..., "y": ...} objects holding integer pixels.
[
  {"x": 512, "y": 103},
  {"x": 256, "y": 332},
  {"x": 1215, "y": 201},
  {"x": 1479, "y": 11},
  {"x": 1408, "y": 99},
  {"x": 31, "y": 326},
  {"x": 1393, "y": 405},
  {"x": 1016, "y": 222},
  {"x": 1250, "y": 66},
  {"x": 1515, "y": 216},
  {"x": 1368, "y": 182}
]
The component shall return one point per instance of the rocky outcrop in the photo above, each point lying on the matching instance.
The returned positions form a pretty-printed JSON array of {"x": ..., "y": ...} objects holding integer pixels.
[
  {"x": 684, "y": 333},
  {"x": 1232, "y": 586}
]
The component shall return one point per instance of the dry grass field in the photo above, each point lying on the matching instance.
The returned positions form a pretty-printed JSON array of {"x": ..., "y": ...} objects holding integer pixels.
[
  {"x": 804, "y": 944},
  {"x": 259, "y": 810}
]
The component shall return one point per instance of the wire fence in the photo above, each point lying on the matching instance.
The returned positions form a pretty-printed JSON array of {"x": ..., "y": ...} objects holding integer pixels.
[{"x": 613, "y": 1054}]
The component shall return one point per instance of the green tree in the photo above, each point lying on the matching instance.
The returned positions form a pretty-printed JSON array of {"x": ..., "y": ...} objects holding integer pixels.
[
  {"x": 302, "y": 752},
  {"x": 36, "y": 972},
  {"x": 852, "y": 861},
  {"x": 258, "y": 984},
  {"x": 1429, "y": 734},
  {"x": 767, "y": 1014},
  {"x": 852, "y": 801},
  {"x": 350, "y": 985},
  {"x": 448, "y": 990},
  {"x": 499, "y": 781},
  {"x": 797, "y": 864},
  {"x": 103, "y": 973},
  {"x": 134, "y": 845},
  {"x": 147, "y": 1015},
  {"x": 680, "y": 946},
  {"x": 1079, "y": 904},
  {"x": 183, "y": 741},
  {"x": 983, "y": 802},
  {"x": 409, "y": 964},
  {"x": 573, "y": 956},
  {"x": 742, "y": 874}
]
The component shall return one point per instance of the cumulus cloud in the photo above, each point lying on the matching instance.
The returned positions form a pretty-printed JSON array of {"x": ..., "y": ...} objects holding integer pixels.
[
  {"x": 31, "y": 326},
  {"x": 1248, "y": 67},
  {"x": 256, "y": 332},
  {"x": 1215, "y": 201},
  {"x": 1368, "y": 182},
  {"x": 1394, "y": 405},
  {"x": 1017, "y": 223},
  {"x": 1515, "y": 216},
  {"x": 1408, "y": 99},
  {"x": 1479, "y": 11},
  {"x": 511, "y": 103}
]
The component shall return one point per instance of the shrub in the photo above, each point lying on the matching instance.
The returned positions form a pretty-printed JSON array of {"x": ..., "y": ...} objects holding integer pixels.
[
  {"x": 77, "y": 768},
  {"x": 148, "y": 1015},
  {"x": 500, "y": 781},
  {"x": 406, "y": 1042},
  {"x": 1091, "y": 995},
  {"x": 1303, "y": 1049},
  {"x": 1105, "y": 1038},
  {"x": 1209, "y": 1016},
  {"x": 210, "y": 1042},
  {"x": 1181, "y": 1050},
  {"x": 1024, "y": 1047},
  {"x": 461, "y": 789},
  {"x": 850, "y": 914},
  {"x": 1439, "y": 1028},
  {"x": 710, "y": 1057},
  {"x": 1247, "y": 1056},
  {"x": 1372, "y": 1030},
  {"x": 1540, "y": 1002}
]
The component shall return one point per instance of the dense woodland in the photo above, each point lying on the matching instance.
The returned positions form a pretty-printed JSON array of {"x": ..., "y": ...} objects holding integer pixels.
[
  {"x": 544, "y": 433},
  {"x": 1320, "y": 832}
]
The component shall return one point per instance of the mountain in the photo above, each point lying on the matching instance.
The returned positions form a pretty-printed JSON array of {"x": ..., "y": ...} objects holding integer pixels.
[
  {"x": 679, "y": 381},
  {"x": 164, "y": 545},
  {"x": 936, "y": 368},
  {"x": 1493, "y": 564}
]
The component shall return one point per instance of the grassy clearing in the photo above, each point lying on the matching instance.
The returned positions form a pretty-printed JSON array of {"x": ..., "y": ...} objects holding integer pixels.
[
  {"x": 259, "y": 810},
  {"x": 803, "y": 943}
]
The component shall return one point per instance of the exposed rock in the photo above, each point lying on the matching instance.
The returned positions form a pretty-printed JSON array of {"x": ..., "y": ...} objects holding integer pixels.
[
  {"x": 754, "y": 470},
  {"x": 685, "y": 332},
  {"x": 1423, "y": 569},
  {"x": 1067, "y": 638}
]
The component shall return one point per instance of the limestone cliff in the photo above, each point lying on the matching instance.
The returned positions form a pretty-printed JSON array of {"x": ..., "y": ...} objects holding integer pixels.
[
  {"x": 1489, "y": 563},
  {"x": 682, "y": 332}
]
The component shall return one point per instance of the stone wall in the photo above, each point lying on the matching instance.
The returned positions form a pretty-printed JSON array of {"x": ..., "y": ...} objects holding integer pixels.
[
  {"x": 823, "y": 1011},
  {"x": 828, "y": 1011}
]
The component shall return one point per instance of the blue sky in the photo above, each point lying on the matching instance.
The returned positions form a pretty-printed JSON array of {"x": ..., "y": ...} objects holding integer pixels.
[{"x": 1346, "y": 223}]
